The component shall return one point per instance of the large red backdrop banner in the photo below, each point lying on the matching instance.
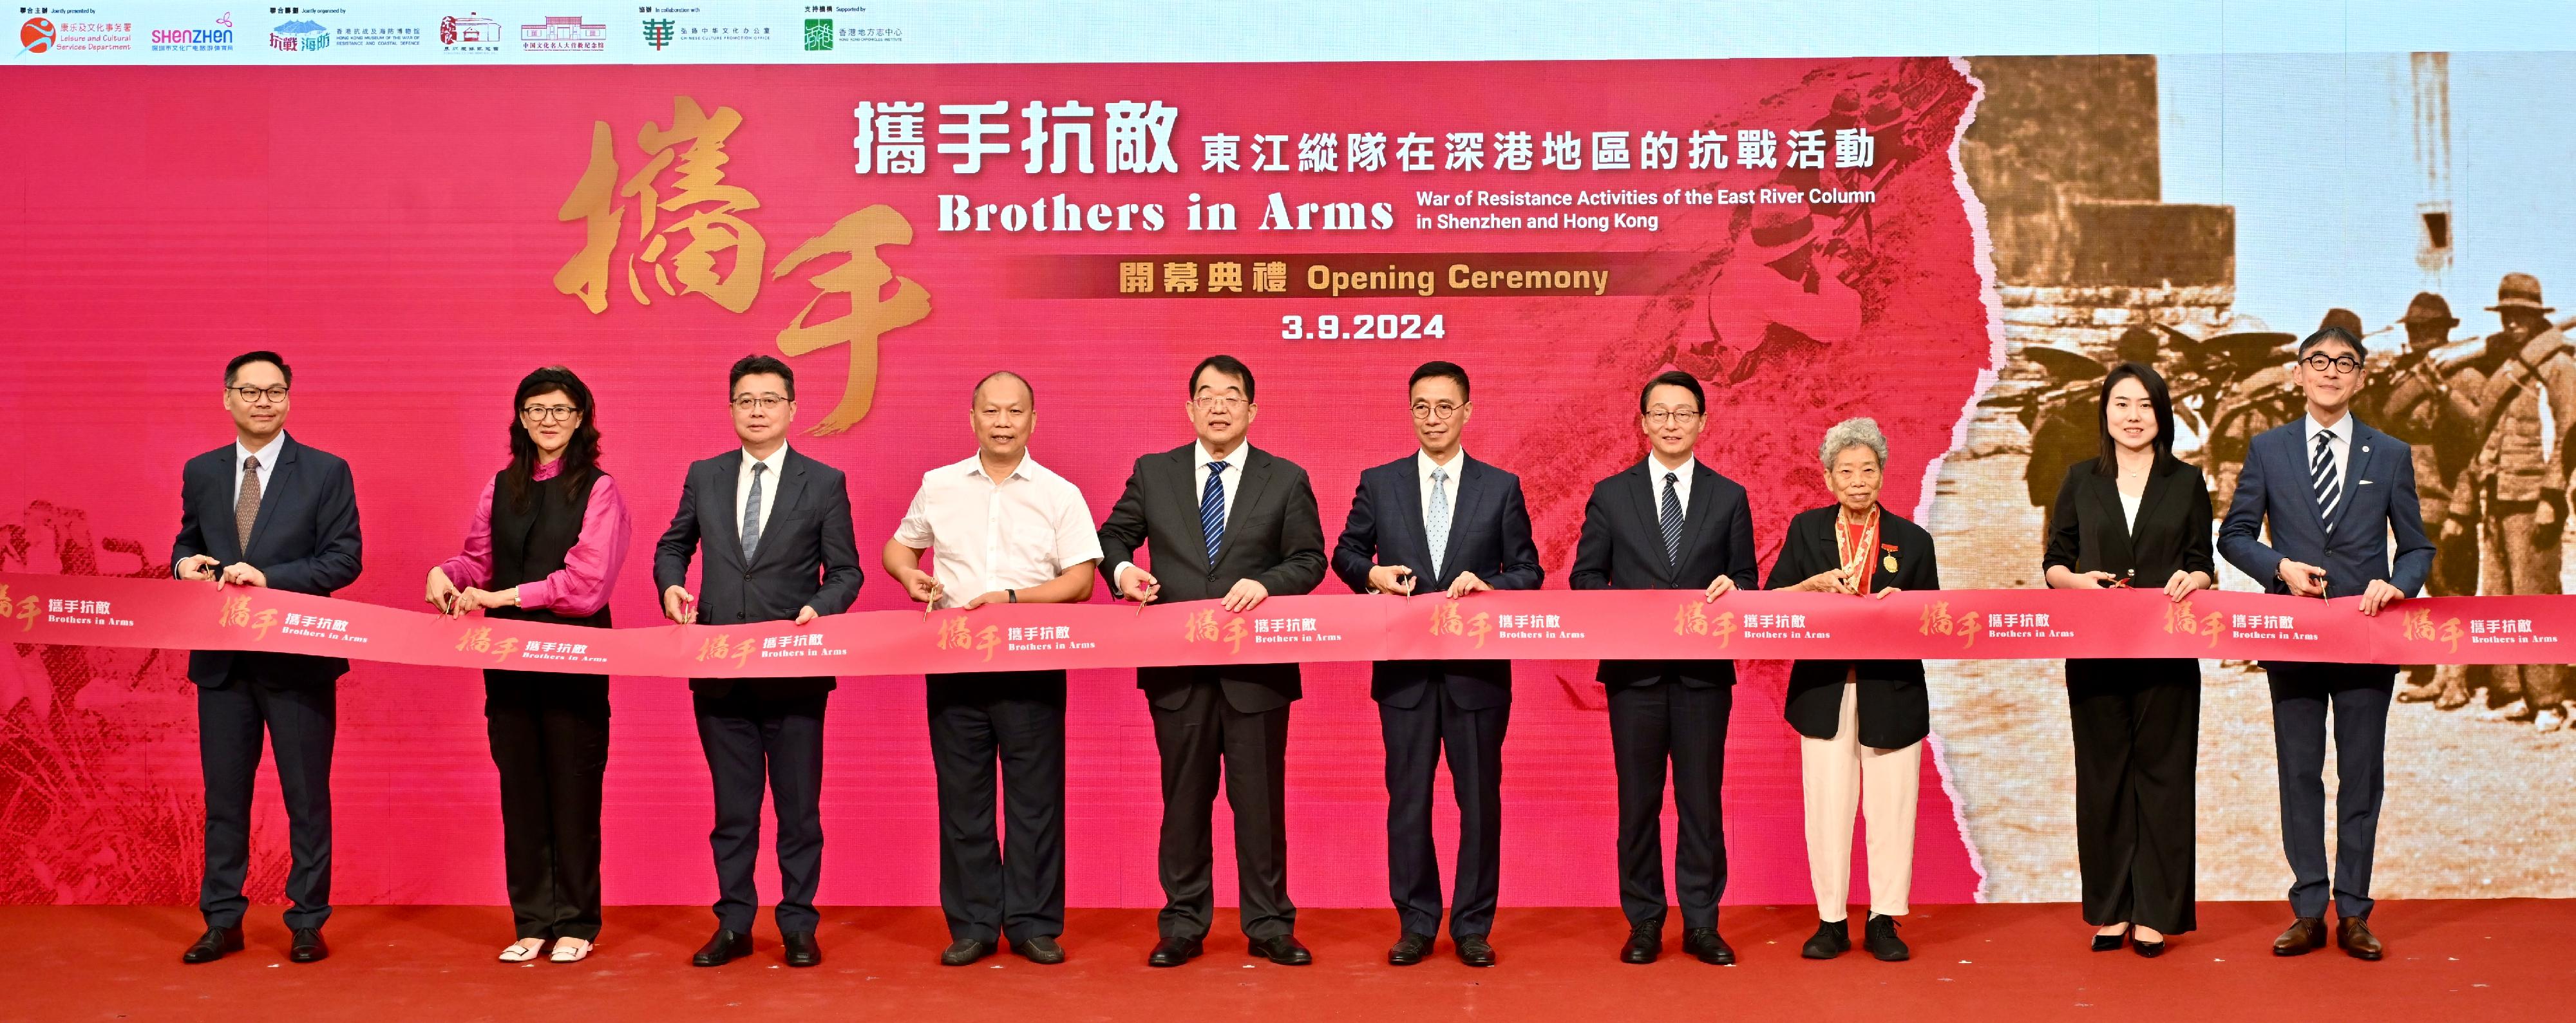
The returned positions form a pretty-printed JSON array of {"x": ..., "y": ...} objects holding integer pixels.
[{"x": 1793, "y": 233}]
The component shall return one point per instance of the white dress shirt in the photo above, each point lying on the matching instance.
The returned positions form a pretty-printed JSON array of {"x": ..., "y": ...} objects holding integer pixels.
[
  {"x": 1656, "y": 469},
  {"x": 776, "y": 461},
  {"x": 1022, "y": 530},
  {"x": 267, "y": 465},
  {"x": 2341, "y": 445},
  {"x": 1198, "y": 485}
]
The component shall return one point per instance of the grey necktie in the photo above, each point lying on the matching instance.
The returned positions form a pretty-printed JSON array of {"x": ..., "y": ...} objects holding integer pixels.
[
  {"x": 246, "y": 503},
  {"x": 1672, "y": 516},
  {"x": 1437, "y": 519},
  {"x": 751, "y": 515}
]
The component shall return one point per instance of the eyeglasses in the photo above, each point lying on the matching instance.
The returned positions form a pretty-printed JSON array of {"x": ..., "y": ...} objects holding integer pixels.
[
  {"x": 2320, "y": 362},
  {"x": 252, "y": 395},
  {"x": 1219, "y": 404},
  {"x": 548, "y": 413},
  {"x": 1423, "y": 410},
  {"x": 1672, "y": 416},
  {"x": 764, "y": 403}
]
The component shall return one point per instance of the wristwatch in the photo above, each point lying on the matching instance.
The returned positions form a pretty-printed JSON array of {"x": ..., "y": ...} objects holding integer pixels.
[{"x": 1015, "y": 595}]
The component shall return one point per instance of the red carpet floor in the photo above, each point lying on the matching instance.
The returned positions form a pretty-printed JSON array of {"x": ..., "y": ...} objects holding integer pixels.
[{"x": 2501, "y": 959}]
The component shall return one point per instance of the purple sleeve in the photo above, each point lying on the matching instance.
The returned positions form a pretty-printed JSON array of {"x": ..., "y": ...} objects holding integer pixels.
[
  {"x": 474, "y": 566},
  {"x": 581, "y": 587}
]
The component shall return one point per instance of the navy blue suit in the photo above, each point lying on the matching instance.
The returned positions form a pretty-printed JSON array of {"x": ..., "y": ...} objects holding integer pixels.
[
  {"x": 304, "y": 540},
  {"x": 1668, "y": 711},
  {"x": 2378, "y": 498},
  {"x": 1423, "y": 704}
]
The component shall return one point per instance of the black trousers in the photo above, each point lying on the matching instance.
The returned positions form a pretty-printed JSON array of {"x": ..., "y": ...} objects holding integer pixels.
[
  {"x": 1415, "y": 738},
  {"x": 300, "y": 720},
  {"x": 2137, "y": 747},
  {"x": 2355, "y": 697},
  {"x": 549, "y": 737},
  {"x": 1204, "y": 735},
  {"x": 1013, "y": 887},
  {"x": 754, "y": 741},
  {"x": 1651, "y": 724}
]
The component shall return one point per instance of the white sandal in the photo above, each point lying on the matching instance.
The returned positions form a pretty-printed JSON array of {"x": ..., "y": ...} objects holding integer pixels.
[
  {"x": 570, "y": 954},
  {"x": 521, "y": 951}
]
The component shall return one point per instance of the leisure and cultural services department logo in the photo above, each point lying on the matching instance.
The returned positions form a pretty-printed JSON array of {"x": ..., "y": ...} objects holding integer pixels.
[{"x": 36, "y": 36}]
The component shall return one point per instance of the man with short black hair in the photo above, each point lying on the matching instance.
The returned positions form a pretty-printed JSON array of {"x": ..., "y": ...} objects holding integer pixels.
[
  {"x": 774, "y": 528},
  {"x": 1223, "y": 522},
  {"x": 1440, "y": 522},
  {"x": 266, "y": 512},
  {"x": 1669, "y": 523},
  {"x": 2330, "y": 490}
]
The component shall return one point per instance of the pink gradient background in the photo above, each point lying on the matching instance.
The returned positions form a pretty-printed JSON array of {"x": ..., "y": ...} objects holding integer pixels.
[{"x": 393, "y": 231}]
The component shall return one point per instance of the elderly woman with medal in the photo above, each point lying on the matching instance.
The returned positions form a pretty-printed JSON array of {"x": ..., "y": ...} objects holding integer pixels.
[
  {"x": 2133, "y": 516},
  {"x": 1861, "y": 724}
]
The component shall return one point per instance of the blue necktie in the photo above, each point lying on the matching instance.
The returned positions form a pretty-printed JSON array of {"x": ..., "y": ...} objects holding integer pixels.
[
  {"x": 1438, "y": 519},
  {"x": 751, "y": 515},
  {"x": 1672, "y": 522},
  {"x": 2323, "y": 478},
  {"x": 1212, "y": 510}
]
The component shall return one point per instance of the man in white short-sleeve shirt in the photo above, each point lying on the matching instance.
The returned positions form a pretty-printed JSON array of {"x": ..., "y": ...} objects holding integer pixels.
[{"x": 1001, "y": 529}]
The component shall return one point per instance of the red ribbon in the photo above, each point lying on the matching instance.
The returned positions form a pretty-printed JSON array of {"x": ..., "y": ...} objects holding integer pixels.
[{"x": 1528, "y": 625}]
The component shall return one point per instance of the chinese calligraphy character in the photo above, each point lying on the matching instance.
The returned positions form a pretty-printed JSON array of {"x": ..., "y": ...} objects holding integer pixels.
[
  {"x": 712, "y": 230},
  {"x": 859, "y": 278},
  {"x": 1140, "y": 137},
  {"x": 890, "y": 139},
  {"x": 974, "y": 149},
  {"x": 1065, "y": 134}
]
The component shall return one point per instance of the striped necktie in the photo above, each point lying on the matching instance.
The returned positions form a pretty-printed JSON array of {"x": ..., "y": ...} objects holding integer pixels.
[
  {"x": 1212, "y": 510},
  {"x": 2327, "y": 483},
  {"x": 1672, "y": 516}
]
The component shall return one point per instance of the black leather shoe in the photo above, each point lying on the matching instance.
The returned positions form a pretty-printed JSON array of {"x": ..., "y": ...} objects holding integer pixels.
[
  {"x": 1832, "y": 938},
  {"x": 1645, "y": 942},
  {"x": 801, "y": 949},
  {"x": 1174, "y": 951},
  {"x": 725, "y": 947},
  {"x": 2353, "y": 934},
  {"x": 1284, "y": 950},
  {"x": 306, "y": 946},
  {"x": 1474, "y": 950},
  {"x": 1041, "y": 950},
  {"x": 1409, "y": 949},
  {"x": 1711, "y": 949},
  {"x": 215, "y": 944},
  {"x": 1879, "y": 936},
  {"x": 2147, "y": 949},
  {"x": 965, "y": 952},
  {"x": 2110, "y": 942},
  {"x": 2306, "y": 934}
]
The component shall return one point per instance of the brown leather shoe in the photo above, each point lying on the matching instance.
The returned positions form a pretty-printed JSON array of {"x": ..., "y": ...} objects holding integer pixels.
[
  {"x": 2353, "y": 935},
  {"x": 2306, "y": 934}
]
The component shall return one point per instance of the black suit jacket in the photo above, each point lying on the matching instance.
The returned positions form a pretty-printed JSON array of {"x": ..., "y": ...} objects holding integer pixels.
[
  {"x": 1489, "y": 535},
  {"x": 1273, "y": 535},
  {"x": 305, "y": 541},
  {"x": 808, "y": 556},
  {"x": 1894, "y": 710},
  {"x": 1623, "y": 549},
  {"x": 2089, "y": 531}
]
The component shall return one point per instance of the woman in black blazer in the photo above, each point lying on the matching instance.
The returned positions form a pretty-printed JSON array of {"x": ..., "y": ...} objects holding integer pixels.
[
  {"x": 2134, "y": 516},
  {"x": 1860, "y": 723}
]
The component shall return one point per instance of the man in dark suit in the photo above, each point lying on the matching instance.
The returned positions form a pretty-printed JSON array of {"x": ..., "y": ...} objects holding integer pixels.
[
  {"x": 1437, "y": 521},
  {"x": 1669, "y": 523},
  {"x": 2332, "y": 490},
  {"x": 774, "y": 528},
  {"x": 265, "y": 511},
  {"x": 1222, "y": 522}
]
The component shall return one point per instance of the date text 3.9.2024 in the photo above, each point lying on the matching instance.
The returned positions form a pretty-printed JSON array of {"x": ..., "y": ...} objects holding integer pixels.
[{"x": 1363, "y": 327}]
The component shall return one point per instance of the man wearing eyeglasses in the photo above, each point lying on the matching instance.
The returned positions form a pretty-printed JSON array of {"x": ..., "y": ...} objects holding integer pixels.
[
  {"x": 1669, "y": 523},
  {"x": 1444, "y": 525},
  {"x": 2331, "y": 489},
  {"x": 774, "y": 529},
  {"x": 1222, "y": 521},
  {"x": 266, "y": 511}
]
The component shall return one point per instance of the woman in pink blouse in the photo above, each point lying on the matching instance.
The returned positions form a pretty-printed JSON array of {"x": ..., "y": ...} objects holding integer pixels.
[{"x": 548, "y": 536}]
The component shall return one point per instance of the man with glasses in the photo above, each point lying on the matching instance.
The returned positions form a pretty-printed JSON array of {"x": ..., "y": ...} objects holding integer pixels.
[
  {"x": 1440, "y": 522},
  {"x": 1229, "y": 523},
  {"x": 266, "y": 511},
  {"x": 1669, "y": 523},
  {"x": 2331, "y": 490},
  {"x": 774, "y": 529},
  {"x": 1002, "y": 529}
]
